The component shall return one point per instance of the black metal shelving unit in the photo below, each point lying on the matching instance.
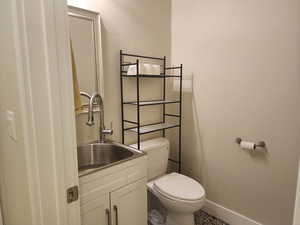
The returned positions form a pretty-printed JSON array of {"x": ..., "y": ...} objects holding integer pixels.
[{"x": 137, "y": 127}]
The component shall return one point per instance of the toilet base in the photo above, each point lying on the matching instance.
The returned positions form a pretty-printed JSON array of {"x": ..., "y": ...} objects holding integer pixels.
[{"x": 175, "y": 218}]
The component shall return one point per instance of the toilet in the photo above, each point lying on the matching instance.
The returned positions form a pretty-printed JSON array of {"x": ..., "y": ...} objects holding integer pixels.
[{"x": 179, "y": 194}]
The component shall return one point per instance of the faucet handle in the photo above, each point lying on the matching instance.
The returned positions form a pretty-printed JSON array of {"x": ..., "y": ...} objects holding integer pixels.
[{"x": 108, "y": 131}]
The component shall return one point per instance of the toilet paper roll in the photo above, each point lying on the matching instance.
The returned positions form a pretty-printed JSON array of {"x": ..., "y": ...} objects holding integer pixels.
[
  {"x": 131, "y": 70},
  {"x": 247, "y": 145}
]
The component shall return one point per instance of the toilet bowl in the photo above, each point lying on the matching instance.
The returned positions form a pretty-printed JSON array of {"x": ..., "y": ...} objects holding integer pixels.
[{"x": 179, "y": 194}]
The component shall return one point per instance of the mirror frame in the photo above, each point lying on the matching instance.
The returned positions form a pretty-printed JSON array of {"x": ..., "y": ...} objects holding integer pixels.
[{"x": 96, "y": 20}]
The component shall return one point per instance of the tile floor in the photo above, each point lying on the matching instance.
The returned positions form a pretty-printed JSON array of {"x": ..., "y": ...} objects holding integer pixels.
[{"x": 203, "y": 218}]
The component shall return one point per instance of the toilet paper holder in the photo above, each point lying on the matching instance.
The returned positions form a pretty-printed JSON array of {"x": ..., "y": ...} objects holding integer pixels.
[{"x": 260, "y": 144}]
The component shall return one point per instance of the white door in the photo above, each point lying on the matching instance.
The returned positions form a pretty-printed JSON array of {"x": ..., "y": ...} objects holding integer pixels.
[
  {"x": 297, "y": 204},
  {"x": 96, "y": 212},
  {"x": 1, "y": 221},
  {"x": 129, "y": 204},
  {"x": 37, "y": 139}
]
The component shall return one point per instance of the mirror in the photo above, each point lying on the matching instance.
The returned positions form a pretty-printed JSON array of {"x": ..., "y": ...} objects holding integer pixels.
[{"x": 85, "y": 37}]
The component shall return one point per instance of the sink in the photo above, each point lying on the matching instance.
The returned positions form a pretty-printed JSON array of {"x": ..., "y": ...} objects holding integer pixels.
[{"x": 102, "y": 155}]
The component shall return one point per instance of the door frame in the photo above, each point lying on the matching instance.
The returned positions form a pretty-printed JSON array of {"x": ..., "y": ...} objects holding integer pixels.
[
  {"x": 47, "y": 108},
  {"x": 297, "y": 202}
]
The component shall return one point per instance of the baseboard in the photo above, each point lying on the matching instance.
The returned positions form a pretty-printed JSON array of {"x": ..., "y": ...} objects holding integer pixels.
[{"x": 227, "y": 215}]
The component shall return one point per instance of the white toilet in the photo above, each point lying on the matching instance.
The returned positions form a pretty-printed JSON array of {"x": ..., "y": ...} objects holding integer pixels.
[{"x": 179, "y": 194}]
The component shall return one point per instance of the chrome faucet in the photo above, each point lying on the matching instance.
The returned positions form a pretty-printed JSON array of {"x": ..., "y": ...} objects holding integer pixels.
[
  {"x": 85, "y": 94},
  {"x": 102, "y": 131}
]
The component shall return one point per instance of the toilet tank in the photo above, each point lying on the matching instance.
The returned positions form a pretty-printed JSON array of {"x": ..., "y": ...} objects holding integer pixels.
[{"x": 157, "y": 150}]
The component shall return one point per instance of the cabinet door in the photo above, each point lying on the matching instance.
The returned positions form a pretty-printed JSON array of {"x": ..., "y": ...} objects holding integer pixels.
[
  {"x": 129, "y": 204},
  {"x": 96, "y": 212}
]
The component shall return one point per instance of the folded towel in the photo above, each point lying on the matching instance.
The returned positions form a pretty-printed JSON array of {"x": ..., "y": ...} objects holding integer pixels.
[
  {"x": 144, "y": 68},
  {"x": 76, "y": 90}
]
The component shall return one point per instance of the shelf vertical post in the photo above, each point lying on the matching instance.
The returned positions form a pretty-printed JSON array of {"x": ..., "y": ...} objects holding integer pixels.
[
  {"x": 138, "y": 102},
  {"x": 122, "y": 100},
  {"x": 164, "y": 93},
  {"x": 180, "y": 123}
]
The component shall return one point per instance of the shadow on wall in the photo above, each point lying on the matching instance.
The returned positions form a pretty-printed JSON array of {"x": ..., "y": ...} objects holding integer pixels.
[
  {"x": 260, "y": 154},
  {"x": 192, "y": 145},
  {"x": 193, "y": 152}
]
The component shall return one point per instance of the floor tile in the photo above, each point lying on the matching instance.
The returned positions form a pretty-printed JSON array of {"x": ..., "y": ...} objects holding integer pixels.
[{"x": 203, "y": 218}]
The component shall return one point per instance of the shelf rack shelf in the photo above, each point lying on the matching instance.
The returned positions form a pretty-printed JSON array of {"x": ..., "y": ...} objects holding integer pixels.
[
  {"x": 150, "y": 76},
  {"x": 153, "y": 102},
  {"x": 163, "y": 125},
  {"x": 153, "y": 128}
]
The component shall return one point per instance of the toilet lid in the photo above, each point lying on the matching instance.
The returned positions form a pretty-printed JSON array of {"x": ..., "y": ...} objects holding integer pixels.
[{"x": 179, "y": 186}]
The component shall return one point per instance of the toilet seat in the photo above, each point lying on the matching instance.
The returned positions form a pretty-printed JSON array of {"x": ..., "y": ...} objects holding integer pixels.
[{"x": 179, "y": 187}]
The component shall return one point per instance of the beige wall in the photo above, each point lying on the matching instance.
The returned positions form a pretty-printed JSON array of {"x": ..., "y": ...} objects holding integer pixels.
[
  {"x": 14, "y": 184},
  {"x": 245, "y": 59},
  {"x": 141, "y": 27}
]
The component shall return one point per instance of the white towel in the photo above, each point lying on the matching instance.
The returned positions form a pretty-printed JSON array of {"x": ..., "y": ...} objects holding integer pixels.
[{"x": 144, "y": 68}]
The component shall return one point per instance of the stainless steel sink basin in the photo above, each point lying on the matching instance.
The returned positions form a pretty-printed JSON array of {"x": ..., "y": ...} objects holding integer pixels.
[{"x": 101, "y": 155}]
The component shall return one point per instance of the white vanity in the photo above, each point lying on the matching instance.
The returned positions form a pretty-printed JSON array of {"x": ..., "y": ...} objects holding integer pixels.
[{"x": 116, "y": 195}]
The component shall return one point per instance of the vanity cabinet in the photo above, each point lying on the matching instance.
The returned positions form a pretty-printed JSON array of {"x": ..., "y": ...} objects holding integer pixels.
[
  {"x": 129, "y": 204},
  {"x": 96, "y": 212},
  {"x": 116, "y": 195}
]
